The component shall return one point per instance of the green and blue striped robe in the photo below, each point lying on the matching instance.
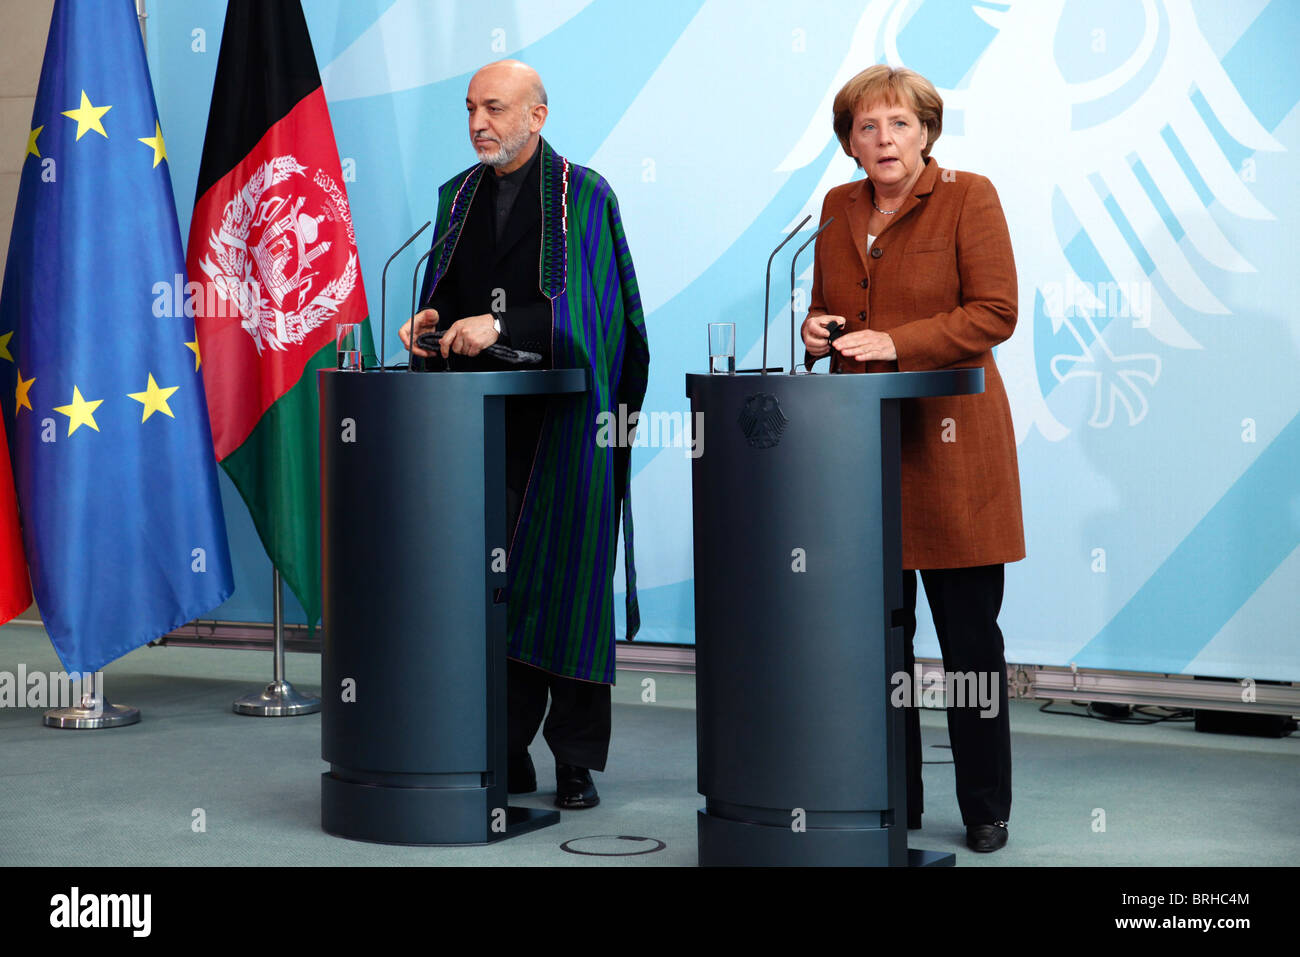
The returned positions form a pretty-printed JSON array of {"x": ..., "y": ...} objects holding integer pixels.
[{"x": 561, "y": 564}]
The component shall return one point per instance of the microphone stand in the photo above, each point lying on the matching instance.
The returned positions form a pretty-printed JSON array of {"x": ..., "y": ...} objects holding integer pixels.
[
  {"x": 767, "y": 288},
  {"x": 415, "y": 286},
  {"x": 792, "y": 262},
  {"x": 383, "y": 293}
]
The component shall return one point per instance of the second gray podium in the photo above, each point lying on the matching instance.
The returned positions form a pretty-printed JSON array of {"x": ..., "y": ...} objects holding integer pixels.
[{"x": 798, "y": 622}]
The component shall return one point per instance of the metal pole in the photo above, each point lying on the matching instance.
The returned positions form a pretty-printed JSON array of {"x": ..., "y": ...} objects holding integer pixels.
[
  {"x": 278, "y": 699},
  {"x": 767, "y": 288},
  {"x": 794, "y": 370},
  {"x": 142, "y": 17},
  {"x": 93, "y": 710},
  {"x": 277, "y": 622}
]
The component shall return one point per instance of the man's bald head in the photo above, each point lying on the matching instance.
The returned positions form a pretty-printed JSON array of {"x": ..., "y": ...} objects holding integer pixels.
[
  {"x": 518, "y": 76},
  {"x": 507, "y": 109}
]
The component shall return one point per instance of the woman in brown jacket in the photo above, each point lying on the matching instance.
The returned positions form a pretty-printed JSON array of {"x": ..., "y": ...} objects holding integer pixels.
[{"x": 917, "y": 269}]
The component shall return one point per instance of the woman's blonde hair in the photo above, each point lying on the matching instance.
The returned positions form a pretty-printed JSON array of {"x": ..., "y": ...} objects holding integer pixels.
[{"x": 896, "y": 87}]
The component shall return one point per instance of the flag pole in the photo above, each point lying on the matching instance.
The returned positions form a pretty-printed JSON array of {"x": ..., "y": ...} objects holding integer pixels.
[
  {"x": 93, "y": 710},
  {"x": 279, "y": 699}
]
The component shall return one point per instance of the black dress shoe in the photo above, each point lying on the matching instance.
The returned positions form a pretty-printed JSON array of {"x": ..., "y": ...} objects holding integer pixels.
[
  {"x": 986, "y": 838},
  {"x": 521, "y": 776},
  {"x": 574, "y": 789}
]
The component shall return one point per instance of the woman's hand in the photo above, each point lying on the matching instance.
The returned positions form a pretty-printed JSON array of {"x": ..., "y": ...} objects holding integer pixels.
[
  {"x": 815, "y": 337},
  {"x": 865, "y": 345}
]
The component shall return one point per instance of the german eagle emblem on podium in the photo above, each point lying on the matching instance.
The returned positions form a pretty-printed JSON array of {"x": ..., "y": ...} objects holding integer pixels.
[{"x": 762, "y": 420}]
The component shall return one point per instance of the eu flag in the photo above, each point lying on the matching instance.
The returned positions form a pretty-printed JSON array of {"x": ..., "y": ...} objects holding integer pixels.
[{"x": 108, "y": 427}]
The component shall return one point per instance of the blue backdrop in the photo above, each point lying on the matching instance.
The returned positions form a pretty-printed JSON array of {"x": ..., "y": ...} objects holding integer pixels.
[{"x": 1144, "y": 154}]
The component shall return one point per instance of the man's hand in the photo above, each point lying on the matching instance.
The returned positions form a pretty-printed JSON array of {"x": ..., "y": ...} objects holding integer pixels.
[
  {"x": 469, "y": 336},
  {"x": 815, "y": 337},
  {"x": 425, "y": 321},
  {"x": 866, "y": 345}
]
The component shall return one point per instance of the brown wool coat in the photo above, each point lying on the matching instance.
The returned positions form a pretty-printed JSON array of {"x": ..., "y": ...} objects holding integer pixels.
[{"x": 941, "y": 280}]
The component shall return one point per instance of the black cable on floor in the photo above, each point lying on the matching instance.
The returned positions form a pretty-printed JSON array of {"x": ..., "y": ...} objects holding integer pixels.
[{"x": 1139, "y": 714}]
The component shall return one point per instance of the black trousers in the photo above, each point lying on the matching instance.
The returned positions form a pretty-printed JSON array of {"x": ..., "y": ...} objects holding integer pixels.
[
  {"x": 578, "y": 726},
  {"x": 965, "y": 603}
]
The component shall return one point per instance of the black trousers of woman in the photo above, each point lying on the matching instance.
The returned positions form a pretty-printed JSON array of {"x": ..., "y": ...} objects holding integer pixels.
[{"x": 965, "y": 603}]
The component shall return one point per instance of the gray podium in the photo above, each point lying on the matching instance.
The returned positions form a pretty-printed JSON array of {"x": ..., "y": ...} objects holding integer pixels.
[
  {"x": 798, "y": 623},
  {"x": 413, "y": 669}
]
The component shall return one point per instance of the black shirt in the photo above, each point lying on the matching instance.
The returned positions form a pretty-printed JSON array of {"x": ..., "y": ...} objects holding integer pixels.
[{"x": 506, "y": 188}]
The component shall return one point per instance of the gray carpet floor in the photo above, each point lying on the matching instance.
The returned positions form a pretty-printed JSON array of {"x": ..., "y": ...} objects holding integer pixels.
[{"x": 129, "y": 796}]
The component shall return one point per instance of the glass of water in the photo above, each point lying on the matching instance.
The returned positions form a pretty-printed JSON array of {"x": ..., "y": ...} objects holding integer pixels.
[
  {"x": 349, "y": 345},
  {"x": 722, "y": 348}
]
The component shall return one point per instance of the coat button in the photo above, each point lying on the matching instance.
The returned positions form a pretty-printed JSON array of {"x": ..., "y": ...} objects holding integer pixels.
[
  {"x": 876, "y": 252},
  {"x": 863, "y": 283},
  {"x": 862, "y": 316}
]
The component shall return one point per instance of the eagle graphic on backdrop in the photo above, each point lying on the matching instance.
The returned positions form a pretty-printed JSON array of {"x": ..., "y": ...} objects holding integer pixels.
[{"x": 1049, "y": 147}]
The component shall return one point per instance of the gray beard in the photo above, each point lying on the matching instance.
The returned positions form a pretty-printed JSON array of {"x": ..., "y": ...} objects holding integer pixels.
[{"x": 507, "y": 150}]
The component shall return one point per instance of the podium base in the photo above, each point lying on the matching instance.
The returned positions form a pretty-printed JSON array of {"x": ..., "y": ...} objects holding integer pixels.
[
  {"x": 422, "y": 816},
  {"x": 521, "y": 820},
  {"x": 919, "y": 858},
  {"x": 724, "y": 842},
  {"x": 730, "y": 843}
]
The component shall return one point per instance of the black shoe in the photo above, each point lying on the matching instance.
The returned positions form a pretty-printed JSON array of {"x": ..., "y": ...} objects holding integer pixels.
[
  {"x": 986, "y": 838},
  {"x": 574, "y": 789},
  {"x": 521, "y": 777}
]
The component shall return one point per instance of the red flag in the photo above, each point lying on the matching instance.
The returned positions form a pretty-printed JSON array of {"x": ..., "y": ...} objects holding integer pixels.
[{"x": 15, "y": 586}]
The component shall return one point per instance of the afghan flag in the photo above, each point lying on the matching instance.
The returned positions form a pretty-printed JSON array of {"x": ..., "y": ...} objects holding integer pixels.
[{"x": 273, "y": 246}]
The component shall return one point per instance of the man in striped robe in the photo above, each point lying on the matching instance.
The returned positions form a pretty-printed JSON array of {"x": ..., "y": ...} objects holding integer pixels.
[{"x": 536, "y": 259}]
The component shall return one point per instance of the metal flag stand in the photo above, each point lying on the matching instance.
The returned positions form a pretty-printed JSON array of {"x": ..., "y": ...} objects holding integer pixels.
[
  {"x": 92, "y": 711},
  {"x": 279, "y": 699}
]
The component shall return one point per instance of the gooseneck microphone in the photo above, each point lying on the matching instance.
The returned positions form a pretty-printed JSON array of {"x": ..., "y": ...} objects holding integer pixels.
[
  {"x": 415, "y": 290},
  {"x": 383, "y": 292},
  {"x": 811, "y": 238},
  {"x": 767, "y": 288}
]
